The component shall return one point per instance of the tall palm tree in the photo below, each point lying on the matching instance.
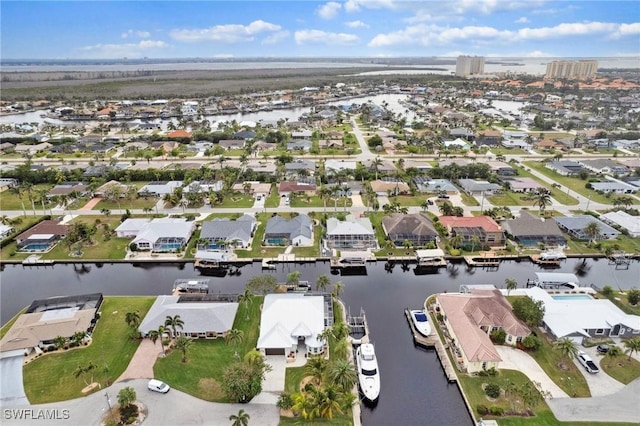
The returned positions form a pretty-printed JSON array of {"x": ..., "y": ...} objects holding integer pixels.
[
  {"x": 324, "y": 193},
  {"x": 322, "y": 283},
  {"x": 234, "y": 337},
  {"x": 174, "y": 322},
  {"x": 510, "y": 284},
  {"x": 343, "y": 374},
  {"x": 566, "y": 347},
  {"x": 154, "y": 335},
  {"x": 183, "y": 344},
  {"x": 19, "y": 191},
  {"x": 542, "y": 199},
  {"x": 632, "y": 346},
  {"x": 246, "y": 298},
  {"x": 592, "y": 231},
  {"x": 240, "y": 419},
  {"x": 338, "y": 288},
  {"x": 340, "y": 330}
]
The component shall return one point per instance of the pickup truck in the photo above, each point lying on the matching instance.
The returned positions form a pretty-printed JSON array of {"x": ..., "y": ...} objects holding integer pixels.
[{"x": 588, "y": 363}]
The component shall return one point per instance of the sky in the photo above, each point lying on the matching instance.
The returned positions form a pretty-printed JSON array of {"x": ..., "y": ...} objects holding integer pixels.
[{"x": 341, "y": 28}]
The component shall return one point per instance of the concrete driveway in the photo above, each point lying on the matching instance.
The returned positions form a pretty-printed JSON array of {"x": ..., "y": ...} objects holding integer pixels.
[
  {"x": 601, "y": 383},
  {"x": 173, "y": 408},
  {"x": 515, "y": 359},
  {"x": 11, "y": 388}
]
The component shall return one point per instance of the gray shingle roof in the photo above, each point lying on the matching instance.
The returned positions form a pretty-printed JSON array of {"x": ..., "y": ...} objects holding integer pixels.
[
  {"x": 528, "y": 224},
  {"x": 299, "y": 225},
  {"x": 229, "y": 230}
]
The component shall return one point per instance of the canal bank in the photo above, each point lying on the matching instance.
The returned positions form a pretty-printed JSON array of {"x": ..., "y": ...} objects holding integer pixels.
[{"x": 414, "y": 390}]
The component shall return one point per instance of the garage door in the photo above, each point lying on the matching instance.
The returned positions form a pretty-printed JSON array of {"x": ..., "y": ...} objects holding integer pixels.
[{"x": 274, "y": 351}]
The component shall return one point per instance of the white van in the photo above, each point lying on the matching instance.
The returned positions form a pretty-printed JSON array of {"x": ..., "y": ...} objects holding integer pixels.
[{"x": 158, "y": 386}]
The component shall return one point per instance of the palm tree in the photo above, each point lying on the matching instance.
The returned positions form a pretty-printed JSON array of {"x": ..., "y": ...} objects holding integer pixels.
[
  {"x": 343, "y": 374},
  {"x": 324, "y": 193},
  {"x": 375, "y": 164},
  {"x": 632, "y": 346},
  {"x": 132, "y": 319},
  {"x": 316, "y": 367},
  {"x": 340, "y": 330},
  {"x": 338, "y": 288},
  {"x": 566, "y": 347},
  {"x": 510, "y": 284},
  {"x": 304, "y": 405},
  {"x": 240, "y": 419},
  {"x": 542, "y": 199},
  {"x": 592, "y": 231},
  {"x": 322, "y": 283},
  {"x": 234, "y": 337},
  {"x": 174, "y": 322},
  {"x": 328, "y": 401},
  {"x": 456, "y": 240},
  {"x": 246, "y": 298},
  {"x": 613, "y": 352},
  {"x": 475, "y": 240},
  {"x": 183, "y": 344},
  {"x": 158, "y": 334}
]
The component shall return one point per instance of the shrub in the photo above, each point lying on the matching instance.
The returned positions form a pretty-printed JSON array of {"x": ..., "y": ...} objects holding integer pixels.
[
  {"x": 498, "y": 337},
  {"x": 531, "y": 343},
  {"x": 454, "y": 252},
  {"x": 496, "y": 411},
  {"x": 607, "y": 291},
  {"x": 482, "y": 409},
  {"x": 633, "y": 296},
  {"x": 492, "y": 372},
  {"x": 492, "y": 390}
]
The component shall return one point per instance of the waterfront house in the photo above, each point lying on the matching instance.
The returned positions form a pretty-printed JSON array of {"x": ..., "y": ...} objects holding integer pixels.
[
  {"x": 203, "y": 317},
  {"x": 42, "y": 236},
  {"x": 46, "y": 319},
  {"x": 625, "y": 221},
  {"x": 416, "y": 228},
  {"x": 290, "y": 320},
  {"x": 489, "y": 233},
  {"x": 296, "y": 231},
  {"x": 218, "y": 233},
  {"x": 575, "y": 225},
  {"x": 471, "y": 317},
  {"x": 577, "y": 319},
  {"x": 353, "y": 233},
  {"x": 160, "y": 234},
  {"x": 531, "y": 231}
]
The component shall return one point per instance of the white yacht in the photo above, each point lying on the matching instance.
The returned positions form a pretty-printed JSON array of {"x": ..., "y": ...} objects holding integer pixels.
[
  {"x": 421, "y": 321},
  {"x": 368, "y": 374}
]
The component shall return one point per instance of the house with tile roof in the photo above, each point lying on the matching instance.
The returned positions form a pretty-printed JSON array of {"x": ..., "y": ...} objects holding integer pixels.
[
  {"x": 415, "y": 227},
  {"x": 42, "y": 236},
  {"x": 286, "y": 188},
  {"x": 471, "y": 317},
  {"x": 531, "y": 231},
  {"x": 624, "y": 220},
  {"x": 485, "y": 228}
]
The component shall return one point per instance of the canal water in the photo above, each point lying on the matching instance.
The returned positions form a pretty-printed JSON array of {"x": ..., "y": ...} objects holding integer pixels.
[{"x": 414, "y": 388}]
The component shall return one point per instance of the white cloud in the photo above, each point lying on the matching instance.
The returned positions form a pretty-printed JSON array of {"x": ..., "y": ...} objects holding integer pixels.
[
  {"x": 329, "y": 10},
  {"x": 522, "y": 20},
  {"x": 135, "y": 33},
  {"x": 323, "y": 37},
  {"x": 123, "y": 50},
  {"x": 626, "y": 30},
  {"x": 356, "y": 24},
  {"x": 358, "y": 5},
  {"x": 567, "y": 29},
  {"x": 276, "y": 37},
  {"x": 230, "y": 33}
]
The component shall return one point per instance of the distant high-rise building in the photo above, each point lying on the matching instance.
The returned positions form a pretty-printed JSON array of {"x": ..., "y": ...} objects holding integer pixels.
[
  {"x": 469, "y": 65},
  {"x": 572, "y": 69}
]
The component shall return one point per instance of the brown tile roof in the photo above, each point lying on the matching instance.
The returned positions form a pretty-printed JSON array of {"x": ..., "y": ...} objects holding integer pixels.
[
  {"x": 484, "y": 222},
  {"x": 45, "y": 227},
  {"x": 179, "y": 134},
  {"x": 295, "y": 187}
]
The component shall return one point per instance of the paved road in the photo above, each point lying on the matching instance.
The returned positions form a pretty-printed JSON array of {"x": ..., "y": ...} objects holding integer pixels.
[
  {"x": 173, "y": 408},
  {"x": 366, "y": 152}
]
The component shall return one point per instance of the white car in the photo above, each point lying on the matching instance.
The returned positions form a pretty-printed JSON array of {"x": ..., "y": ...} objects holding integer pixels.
[
  {"x": 158, "y": 386},
  {"x": 588, "y": 363}
]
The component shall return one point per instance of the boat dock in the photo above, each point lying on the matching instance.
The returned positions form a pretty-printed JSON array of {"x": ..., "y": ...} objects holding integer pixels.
[
  {"x": 482, "y": 261},
  {"x": 36, "y": 260},
  {"x": 351, "y": 259},
  {"x": 358, "y": 329},
  {"x": 433, "y": 341}
]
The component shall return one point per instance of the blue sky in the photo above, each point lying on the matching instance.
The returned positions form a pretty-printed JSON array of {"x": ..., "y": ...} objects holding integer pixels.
[{"x": 361, "y": 28}]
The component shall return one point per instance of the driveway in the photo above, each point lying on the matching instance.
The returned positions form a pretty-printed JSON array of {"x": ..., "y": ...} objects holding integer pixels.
[
  {"x": 173, "y": 408},
  {"x": 356, "y": 200},
  {"x": 11, "y": 389},
  {"x": 515, "y": 359},
  {"x": 601, "y": 383},
  {"x": 141, "y": 364}
]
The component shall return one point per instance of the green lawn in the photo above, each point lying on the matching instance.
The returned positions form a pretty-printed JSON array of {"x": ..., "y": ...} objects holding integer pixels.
[
  {"x": 621, "y": 301},
  {"x": 622, "y": 242},
  {"x": 510, "y": 198},
  {"x": 313, "y": 251},
  {"x": 408, "y": 200},
  {"x": 574, "y": 184},
  {"x": 558, "y": 195},
  {"x": 50, "y": 378},
  {"x": 201, "y": 374},
  {"x": 468, "y": 200},
  {"x": 256, "y": 246},
  {"x": 307, "y": 201},
  {"x": 101, "y": 249},
  {"x": 137, "y": 203},
  {"x": 237, "y": 200},
  {"x": 10, "y": 200},
  {"x": 621, "y": 368},
  {"x": 273, "y": 200}
]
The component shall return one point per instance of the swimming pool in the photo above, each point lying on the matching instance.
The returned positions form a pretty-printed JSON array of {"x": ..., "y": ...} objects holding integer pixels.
[{"x": 572, "y": 297}]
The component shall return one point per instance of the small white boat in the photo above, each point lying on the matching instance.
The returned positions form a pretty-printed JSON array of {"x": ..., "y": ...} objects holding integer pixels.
[
  {"x": 421, "y": 320},
  {"x": 368, "y": 374}
]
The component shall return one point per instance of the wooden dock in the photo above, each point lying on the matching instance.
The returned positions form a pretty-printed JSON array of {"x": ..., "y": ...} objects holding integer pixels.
[
  {"x": 433, "y": 341},
  {"x": 481, "y": 261}
]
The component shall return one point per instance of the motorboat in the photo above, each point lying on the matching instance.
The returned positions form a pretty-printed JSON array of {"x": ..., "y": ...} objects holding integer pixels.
[
  {"x": 368, "y": 374},
  {"x": 421, "y": 321},
  {"x": 191, "y": 286}
]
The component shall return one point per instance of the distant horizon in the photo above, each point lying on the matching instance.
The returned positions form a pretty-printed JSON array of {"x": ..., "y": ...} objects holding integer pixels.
[{"x": 79, "y": 30}]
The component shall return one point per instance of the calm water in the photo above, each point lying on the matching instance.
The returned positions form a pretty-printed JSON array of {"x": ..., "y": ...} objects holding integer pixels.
[{"x": 414, "y": 389}]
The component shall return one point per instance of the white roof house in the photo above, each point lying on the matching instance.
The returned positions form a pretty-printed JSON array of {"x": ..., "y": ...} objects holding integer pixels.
[
  {"x": 625, "y": 220},
  {"x": 160, "y": 188},
  {"x": 201, "y": 319},
  {"x": 164, "y": 234},
  {"x": 354, "y": 233},
  {"x": 288, "y": 317},
  {"x": 576, "y": 319},
  {"x": 130, "y": 227}
]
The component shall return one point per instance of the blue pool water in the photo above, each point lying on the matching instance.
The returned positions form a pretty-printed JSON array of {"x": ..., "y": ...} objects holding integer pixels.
[{"x": 572, "y": 297}]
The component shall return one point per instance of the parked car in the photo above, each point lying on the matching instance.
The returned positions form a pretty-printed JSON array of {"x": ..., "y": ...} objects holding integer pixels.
[
  {"x": 158, "y": 386},
  {"x": 588, "y": 363},
  {"x": 603, "y": 349},
  {"x": 430, "y": 202},
  {"x": 443, "y": 196}
]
